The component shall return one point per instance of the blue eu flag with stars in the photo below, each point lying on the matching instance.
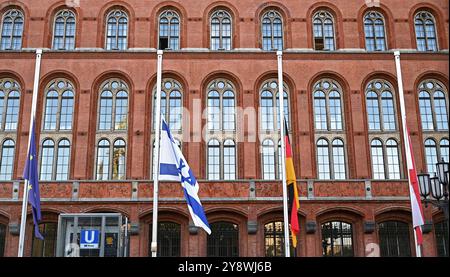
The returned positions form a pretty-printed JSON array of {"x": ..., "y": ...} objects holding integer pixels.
[{"x": 31, "y": 174}]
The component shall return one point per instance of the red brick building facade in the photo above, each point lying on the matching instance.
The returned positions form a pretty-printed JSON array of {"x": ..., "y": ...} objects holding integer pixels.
[{"x": 360, "y": 207}]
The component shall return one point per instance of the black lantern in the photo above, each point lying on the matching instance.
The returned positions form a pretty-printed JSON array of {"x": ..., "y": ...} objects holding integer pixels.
[
  {"x": 436, "y": 188},
  {"x": 424, "y": 184}
]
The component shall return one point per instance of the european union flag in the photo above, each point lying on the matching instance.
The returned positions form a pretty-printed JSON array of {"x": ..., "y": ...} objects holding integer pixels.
[{"x": 31, "y": 174}]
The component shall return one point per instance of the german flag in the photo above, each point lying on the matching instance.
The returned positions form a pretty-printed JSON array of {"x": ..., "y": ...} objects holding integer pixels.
[{"x": 291, "y": 181}]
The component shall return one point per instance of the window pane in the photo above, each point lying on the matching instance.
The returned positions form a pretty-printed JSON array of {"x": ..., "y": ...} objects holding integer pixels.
[
  {"x": 175, "y": 108},
  {"x": 169, "y": 239},
  {"x": 103, "y": 160},
  {"x": 320, "y": 111},
  {"x": 337, "y": 239},
  {"x": 323, "y": 159},
  {"x": 121, "y": 111},
  {"x": 213, "y": 160},
  {"x": 66, "y": 111},
  {"x": 213, "y": 110},
  {"x": 388, "y": 111},
  {"x": 51, "y": 109},
  {"x": 46, "y": 247},
  {"x": 338, "y": 160},
  {"x": 267, "y": 110},
  {"x": 228, "y": 111},
  {"x": 440, "y": 108},
  {"x": 373, "y": 111},
  {"x": 106, "y": 104},
  {"x": 425, "y": 110},
  {"x": 7, "y": 160},
  {"x": 12, "y": 111},
  {"x": 229, "y": 160},
  {"x": 393, "y": 162},
  {"x": 441, "y": 232},
  {"x": 431, "y": 155},
  {"x": 335, "y": 111},
  {"x": 268, "y": 156},
  {"x": 62, "y": 164},
  {"x": 46, "y": 172},
  {"x": 444, "y": 145},
  {"x": 377, "y": 159},
  {"x": 118, "y": 160}
]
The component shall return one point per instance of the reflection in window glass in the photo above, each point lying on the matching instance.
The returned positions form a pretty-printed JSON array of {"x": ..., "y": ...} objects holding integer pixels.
[
  {"x": 7, "y": 160},
  {"x": 337, "y": 239}
]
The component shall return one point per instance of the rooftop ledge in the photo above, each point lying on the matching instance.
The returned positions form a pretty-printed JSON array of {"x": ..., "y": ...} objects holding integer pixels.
[{"x": 234, "y": 51}]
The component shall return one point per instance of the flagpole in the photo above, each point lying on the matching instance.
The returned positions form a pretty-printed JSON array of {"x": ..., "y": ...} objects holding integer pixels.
[
  {"x": 154, "y": 245},
  {"x": 23, "y": 220},
  {"x": 405, "y": 132},
  {"x": 283, "y": 153}
]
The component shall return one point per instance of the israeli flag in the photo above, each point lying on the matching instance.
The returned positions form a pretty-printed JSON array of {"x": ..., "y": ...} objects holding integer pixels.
[{"x": 173, "y": 167}]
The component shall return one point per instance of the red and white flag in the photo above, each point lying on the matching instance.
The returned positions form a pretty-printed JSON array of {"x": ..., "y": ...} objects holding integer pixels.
[{"x": 416, "y": 204}]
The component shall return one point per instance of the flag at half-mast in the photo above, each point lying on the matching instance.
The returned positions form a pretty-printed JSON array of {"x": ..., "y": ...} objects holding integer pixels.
[
  {"x": 416, "y": 204},
  {"x": 31, "y": 175},
  {"x": 291, "y": 182}
]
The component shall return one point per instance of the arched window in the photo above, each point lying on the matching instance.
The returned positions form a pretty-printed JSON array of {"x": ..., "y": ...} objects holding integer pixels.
[
  {"x": 118, "y": 160},
  {"x": 64, "y": 30},
  {"x": 272, "y": 31},
  {"x": 9, "y": 104},
  {"x": 444, "y": 146},
  {"x": 338, "y": 159},
  {"x": 63, "y": 160},
  {"x": 431, "y": 155},
  {"x": 425, "y": 27},
  {"x": 323, "y": 29},
  {"x": 116, "y": 30},
  {"x": 268, "y": 160},
  {"x": 113, "y": 111},
  {"x": 385, "y": 159},
  {"x": 169, "y": 30},
  {"x": 7, "y": 160},
  {"x": 55, "y": 167},
  {"x": 331, "y": 166},
  {"x": 327, "y": 105},
  {"x": 103, "y": 150},
  {"x": 12, "y": 30},
  {"x": 47, "y": 160},
  {"x": 59, "y": 105},
  {"x": 171, "y": 104},
  {"x": 274, "y": 239},
  {"x": 270, "y": 105},
  {"x": 221, "y": 106},
  {"x": 394, "y": 239},
  {"x": 380, "y": 106},
  {"x": 229, "y": 160},
  {"x": 433, "y": 105},
  {"x": 221, "y": 30},
  {"x": 169, "y": 239},
  {"x": 115, "y": 156},
  {"x": 224, "y": 240},
  {"x": 337, "y": 239},
  {"x": 377, "y": 159},
  {"x": 374, "y": 31},
  {"x": 323, "y": 159}
]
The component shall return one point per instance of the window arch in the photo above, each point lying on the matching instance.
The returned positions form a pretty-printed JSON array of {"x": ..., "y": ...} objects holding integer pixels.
[
  {"x": 55, "y": 162},
  {"x": 59, "y": 105},
  {"x": 221, "y": 30},
  {"x": 171, "y": 104},
  {"x": 224, "y": 240},
  {"x": 425, "y": 28},
  {"x": 394, "y": 239},
  {"x": 374, "y": 30},
  {"x": 337, "y": 239},
  {"x": 221, "y": 105},
  {"x": 12, "y": 30},
  {"x": 64, "y": 30},
  {"x": 380, "y": 106},
  {"x": 116, "y": 30},
  {"x": 7, "y": 160},
  {"x": 385, "y": 159},
  {"x": 111, "y": 160},
  {"x": 113, "y": 111},
  {"x": 270, "y": 105},
  {"x": 272, "y": 31},
  {"x": 328, "y": 105},
  {"x": 169, "y": 30},
  {"x": 323, "y": 30}
]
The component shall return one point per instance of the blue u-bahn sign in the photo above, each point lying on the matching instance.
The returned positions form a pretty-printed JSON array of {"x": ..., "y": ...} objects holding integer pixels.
[{"x": 89, "y": 239}]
